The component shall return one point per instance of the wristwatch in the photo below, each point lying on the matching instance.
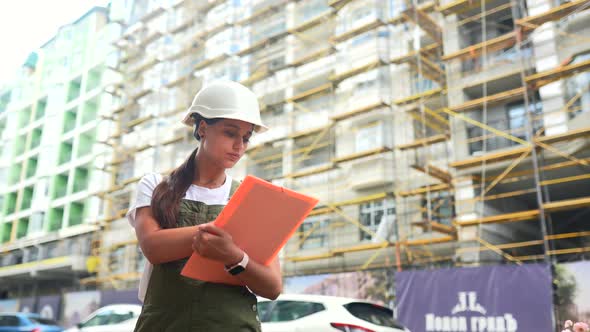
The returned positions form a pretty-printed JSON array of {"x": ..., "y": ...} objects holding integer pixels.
[{"x": 240, "y": 267}]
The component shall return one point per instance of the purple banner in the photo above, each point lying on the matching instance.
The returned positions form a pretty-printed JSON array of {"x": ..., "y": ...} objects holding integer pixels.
[
  {"x": 27, "y": 304},
  {"x": 118, "y": 297},
  {"x": 505, "y": 298},
  {"x": 48, "y": 306},
  {"x": 79, "y": 305}
]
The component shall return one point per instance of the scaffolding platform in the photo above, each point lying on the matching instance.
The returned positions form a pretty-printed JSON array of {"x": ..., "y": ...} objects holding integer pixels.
[
  {"x": 423, "y": 142},
  {"x": 554, "y": 14}
]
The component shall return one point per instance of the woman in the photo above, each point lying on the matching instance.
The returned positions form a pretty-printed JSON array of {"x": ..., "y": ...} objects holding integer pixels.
[{"x": 172, "y": 218}]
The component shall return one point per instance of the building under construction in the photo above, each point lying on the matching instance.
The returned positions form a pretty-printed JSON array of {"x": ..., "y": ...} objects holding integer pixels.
[{"x": 434, "y": 133}]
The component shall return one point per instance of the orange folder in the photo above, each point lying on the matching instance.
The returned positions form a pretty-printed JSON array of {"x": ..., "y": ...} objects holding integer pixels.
[{"x": 260, "y": 217}]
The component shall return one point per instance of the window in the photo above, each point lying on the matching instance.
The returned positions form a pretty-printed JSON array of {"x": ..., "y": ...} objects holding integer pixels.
[
  {"x": 374, "y": 314},
  {"x": 276, "y": 63},
  {"x": 9, "y": 321},
  {"x": 372, "y": 213},
  {"x": 420, "y": 84},
  {"x": 32, "y": 254},
  {"x": 312, "y": 233},
  {"x": 356, "y": 41},
  {"x": 516, "y": 115},
  {"x": 18, "y": 257},
  {"x": 516, "y": 120},
  {"x": 264, "y": 308},
  {"x": 365, "y": 86},
  {"x": 361, "y": 13},
  {"x": 268, "y": 27},
  {"x": 312, "y": 8},
  {"x": 369, "y": 136},
  {"x": 116, "y": 260},
  {"x": 577, "y": 89},
  {"x": 44, "y": 321},
  {"x": 125, "y": 171},
  {"x": 284, "y": 311},
  {"x": 36, "y": 222},
  {"x": 441, "y": 207},
  {"x": 65, "y": 152},
  {"x": 108, "y": 317},
  {"x": 140, "y": 259},
  {"x": 308, "y": 154},
  {"x": 40, "y": 111},
  {"x": 396, "y": 6}
]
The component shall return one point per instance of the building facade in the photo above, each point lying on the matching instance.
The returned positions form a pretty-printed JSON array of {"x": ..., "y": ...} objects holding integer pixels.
[
  {"x": 434, "y": 133},
  {"x": 51, "y": 124}
]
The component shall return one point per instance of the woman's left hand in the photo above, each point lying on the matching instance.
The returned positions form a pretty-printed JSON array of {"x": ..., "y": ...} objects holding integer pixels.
[{"x": 214, "y": 243}]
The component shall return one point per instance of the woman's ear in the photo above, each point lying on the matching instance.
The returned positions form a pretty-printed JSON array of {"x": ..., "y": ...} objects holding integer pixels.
[{"x": 201, "y": 129}]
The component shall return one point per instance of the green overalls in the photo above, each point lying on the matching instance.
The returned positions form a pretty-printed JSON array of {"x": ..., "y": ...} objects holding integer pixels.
[{"x": 174, "y": 303}]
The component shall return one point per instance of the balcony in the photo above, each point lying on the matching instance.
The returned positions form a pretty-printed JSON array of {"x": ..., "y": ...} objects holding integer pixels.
[
  {"x": 312, "y": 113},
  {"x": 363, "y": 136},
  {"x": 355, "y": 64},
  {"x": 308, "y": 19},
  {"x": 63, "y": 259},
  {"x": 321, "y": 184},
  {"x": 360, "y": 95},
  {"x": 266, "y": 163},
  {"x": 312, "y": 44},
  {"x": 420, "y": 89},
  {"x": 345, "y": 33},
  {"x": 371, "y": 172},
  {"x": 275, "y": 118},
  {"x": 554, "y": 14}
]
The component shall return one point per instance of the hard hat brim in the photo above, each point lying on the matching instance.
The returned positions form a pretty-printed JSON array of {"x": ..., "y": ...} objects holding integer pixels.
[{"x": 190, "y": 121}]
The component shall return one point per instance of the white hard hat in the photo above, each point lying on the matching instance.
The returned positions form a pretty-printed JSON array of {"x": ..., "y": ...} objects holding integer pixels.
[{"x": 226, "y": 99}]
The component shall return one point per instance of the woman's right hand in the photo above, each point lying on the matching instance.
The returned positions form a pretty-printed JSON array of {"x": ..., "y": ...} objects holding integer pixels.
[{"x": 214, "y": 243}]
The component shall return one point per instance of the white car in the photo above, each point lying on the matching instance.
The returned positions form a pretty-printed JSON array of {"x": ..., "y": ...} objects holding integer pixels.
[
  {"x": 317, "y": 313},
  {"x": 110, "y": 318}
]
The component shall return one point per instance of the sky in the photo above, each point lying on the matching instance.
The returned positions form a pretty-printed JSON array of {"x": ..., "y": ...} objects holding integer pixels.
[{"x": 25, "y": 25}]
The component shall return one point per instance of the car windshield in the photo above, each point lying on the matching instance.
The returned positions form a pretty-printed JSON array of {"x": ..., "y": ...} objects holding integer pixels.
[
  {"x": 282, "y": 310},
  {"x": 9, "y": 320},
  {"x": 373, "y": 313},
  {"x": 109, "y": 317},
  {"x": 43, "y": 321}
]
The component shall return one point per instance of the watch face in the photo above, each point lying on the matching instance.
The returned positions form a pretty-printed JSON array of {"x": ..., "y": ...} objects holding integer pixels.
[{"x": 236, "y": 269}]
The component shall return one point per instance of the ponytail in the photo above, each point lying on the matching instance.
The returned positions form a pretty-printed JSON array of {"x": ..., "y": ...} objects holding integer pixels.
[{"x": 168, "y": 194}]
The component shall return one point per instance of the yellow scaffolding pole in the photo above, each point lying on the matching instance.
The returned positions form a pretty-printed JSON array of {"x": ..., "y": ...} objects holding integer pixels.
[
  {"x": 561, "y": 153},
  {"x": 498, "y": 251},
  {"x": 506, "y": 171},
  {"x": 556, "y": 253},
  {"x": 486, "y": 127},
  {"x": 514, "y": 245},
  {"x": 311, "y": 147}
]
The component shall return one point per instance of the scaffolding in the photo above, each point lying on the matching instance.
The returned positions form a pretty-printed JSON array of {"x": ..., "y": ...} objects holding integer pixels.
[{"x": 424, "y": 148}]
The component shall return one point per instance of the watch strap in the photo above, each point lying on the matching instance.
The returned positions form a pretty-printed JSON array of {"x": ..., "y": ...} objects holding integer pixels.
[{"x": 239, "y": 267}]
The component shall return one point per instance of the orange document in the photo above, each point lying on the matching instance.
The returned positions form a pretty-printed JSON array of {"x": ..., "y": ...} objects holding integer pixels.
[{"x": 260, "y": 217}]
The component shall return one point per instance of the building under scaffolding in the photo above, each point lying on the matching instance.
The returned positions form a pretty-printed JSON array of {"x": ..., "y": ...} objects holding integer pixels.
[{"x": 434, "y": 133}]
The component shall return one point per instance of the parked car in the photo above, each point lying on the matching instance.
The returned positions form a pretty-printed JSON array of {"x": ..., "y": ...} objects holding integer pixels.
[
  {"x": 317, "y": 313},
  {"x": 110, "y": 318},
  {"x": 29, "y": 322}
]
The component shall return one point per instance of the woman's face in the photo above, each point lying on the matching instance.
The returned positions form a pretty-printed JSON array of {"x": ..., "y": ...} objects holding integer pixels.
[{"x": 225, "y": 141}]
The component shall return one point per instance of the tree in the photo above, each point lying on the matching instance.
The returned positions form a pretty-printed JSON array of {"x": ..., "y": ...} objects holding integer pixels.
[
  {"x": 564, "y": 290},
  {"x": 381, "y": 288}
]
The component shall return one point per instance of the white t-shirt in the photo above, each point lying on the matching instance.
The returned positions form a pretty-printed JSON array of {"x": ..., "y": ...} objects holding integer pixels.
[{"x": 145, "y": 188}]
